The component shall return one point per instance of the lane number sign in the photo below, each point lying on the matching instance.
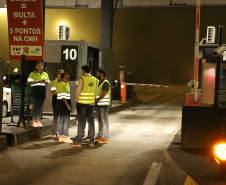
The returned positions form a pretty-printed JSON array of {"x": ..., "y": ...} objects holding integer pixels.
[{"x": 69, "y": 53}]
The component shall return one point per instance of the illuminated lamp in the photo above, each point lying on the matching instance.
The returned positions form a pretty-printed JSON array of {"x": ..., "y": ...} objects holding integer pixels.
[{"x": 218, "y": 151}]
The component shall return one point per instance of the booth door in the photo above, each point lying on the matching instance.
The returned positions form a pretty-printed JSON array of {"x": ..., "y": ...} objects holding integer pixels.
[{"x": 93, "y": 60}]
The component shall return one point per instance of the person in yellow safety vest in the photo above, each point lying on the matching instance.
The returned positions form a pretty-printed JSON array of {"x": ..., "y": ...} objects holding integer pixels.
[
  {"x": 54, "y": 102},
  {"x": 64, "y": 108},
  {"x": 38, "y": 80},
  {"x": 103, "y": 101},
  {"x": 86, "y": 92}
]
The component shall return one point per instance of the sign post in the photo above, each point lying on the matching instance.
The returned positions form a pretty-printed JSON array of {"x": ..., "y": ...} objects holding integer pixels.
[
  {"x": 1, "y": 91},
  {"x": 197, "y": 51},
  {"x": 21, "y": 122},
  {"x": 25, "y": 25},
  {"x": 218, "y": 66}
]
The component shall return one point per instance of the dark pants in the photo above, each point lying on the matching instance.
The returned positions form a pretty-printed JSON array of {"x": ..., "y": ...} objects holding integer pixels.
[
  {"x": 85, "y": 112},
  {"x": 55, "y": 114},
  {"x": 38, "y": 104},
  {"x": 63, "y": 124},
  {"x": 64, "y": 117}
]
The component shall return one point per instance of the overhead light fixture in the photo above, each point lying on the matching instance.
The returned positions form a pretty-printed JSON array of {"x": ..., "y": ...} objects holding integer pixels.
[{"x": 3, "y": 9}]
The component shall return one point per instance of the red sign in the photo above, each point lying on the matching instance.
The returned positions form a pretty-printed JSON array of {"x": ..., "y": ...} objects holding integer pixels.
[{"x": 25, "y": 24}]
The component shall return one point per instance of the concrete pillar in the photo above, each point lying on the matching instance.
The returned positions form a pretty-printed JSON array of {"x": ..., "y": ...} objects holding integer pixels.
[{"x": 106, "y": 31}]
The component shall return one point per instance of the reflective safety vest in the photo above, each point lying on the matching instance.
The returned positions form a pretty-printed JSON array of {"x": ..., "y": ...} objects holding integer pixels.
[
  {"x": 54, "y": 85},
  {"x": 35, "y": 76},
  {"x": 106, "y": 100},
  {"x": 63, "y": 91},
  {"x": 87, "y": 95}
]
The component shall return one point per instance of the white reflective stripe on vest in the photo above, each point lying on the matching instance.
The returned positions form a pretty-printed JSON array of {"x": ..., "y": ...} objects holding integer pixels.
[
  {"x": 30, "y": 80},
  {"x": 60, "y": 98},
  {"x": 63, "y": 97},
  {"x": 86, "y": 98},
  {"x": 104, "y": 100},
  {"x": 39, "y": 84},
  {"x": 103, "y": 103},
  {"x": 85, "y": 102},
  {"x": 62, "y": 94},
  {"x": 85, "y": 94}
]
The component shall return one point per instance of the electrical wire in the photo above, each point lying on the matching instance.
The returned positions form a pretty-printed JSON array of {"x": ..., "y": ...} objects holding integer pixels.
[{"x": 116, "y": 4}]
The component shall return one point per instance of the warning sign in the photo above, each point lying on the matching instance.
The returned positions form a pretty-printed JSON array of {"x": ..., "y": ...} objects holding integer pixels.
[{"x": 25, "y": 24}]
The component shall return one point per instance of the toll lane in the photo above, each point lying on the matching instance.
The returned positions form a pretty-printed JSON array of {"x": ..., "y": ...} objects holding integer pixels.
[{"x": 138, "y": 139}]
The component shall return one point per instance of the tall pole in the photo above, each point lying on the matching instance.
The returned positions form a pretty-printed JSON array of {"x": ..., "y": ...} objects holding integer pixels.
[
  {"x": 218, "y": 65},
  {"x": 1, "y": 91},
  {"x": 21, "y": 122},
  {"x": 196, "y": 98}
]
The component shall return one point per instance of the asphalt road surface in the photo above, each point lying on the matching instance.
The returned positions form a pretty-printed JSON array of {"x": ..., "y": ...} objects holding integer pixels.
[{"x": 138, "y": 138}]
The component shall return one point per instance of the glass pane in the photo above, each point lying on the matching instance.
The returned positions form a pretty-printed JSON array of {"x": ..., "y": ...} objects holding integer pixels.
[{"x": 51, "y": 69}]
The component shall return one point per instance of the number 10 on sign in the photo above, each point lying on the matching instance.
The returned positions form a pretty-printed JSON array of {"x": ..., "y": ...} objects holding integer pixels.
[{"x": 69, "y": 53}]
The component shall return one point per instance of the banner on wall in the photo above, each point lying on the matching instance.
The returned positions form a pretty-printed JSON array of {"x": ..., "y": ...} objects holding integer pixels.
[{"x": 25, "y": 27}]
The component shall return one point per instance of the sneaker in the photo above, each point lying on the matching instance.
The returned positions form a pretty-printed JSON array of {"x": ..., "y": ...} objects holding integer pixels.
[
  {"x": 91, "y": 144},
  {"x": 35, "y": 124},
  {"x": 68, "y": 140},
  {"x": 103, "y": 140},
  {"x": 54, "y": 136},
  {"x": 40, "y": 124},
  {"x": 97, "y": 138},
  {"x": 76, "y": 144},
  {"x": 61, "y": 139}
]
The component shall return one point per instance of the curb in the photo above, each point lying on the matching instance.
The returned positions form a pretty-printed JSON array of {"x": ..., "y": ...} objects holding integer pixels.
[
  {"x": 171, "y": 172},
  {"x": 121, "y": 107},
  {"x": 3, "y": 142},
  {"x": 30, "y": 134}
]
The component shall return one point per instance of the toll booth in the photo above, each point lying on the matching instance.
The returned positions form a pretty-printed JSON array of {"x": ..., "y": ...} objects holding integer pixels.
[
  {"x": 207, "y": 76},
  {"x": 201, "y": 123},
  {"x": 71, "y": 56}
]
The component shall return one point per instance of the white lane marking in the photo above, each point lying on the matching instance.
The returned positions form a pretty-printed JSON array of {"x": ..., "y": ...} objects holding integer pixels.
[
  {"x": 114, "y": 125},
  {"x": 153, "y": 174},
  {"x": 129, "y": 127},
  {"x": 148, "y": 128},
  {"x": 169, "y": 129}
]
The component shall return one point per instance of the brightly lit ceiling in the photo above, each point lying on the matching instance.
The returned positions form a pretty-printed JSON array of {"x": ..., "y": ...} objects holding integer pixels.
[{"x": 126, "y": 3}]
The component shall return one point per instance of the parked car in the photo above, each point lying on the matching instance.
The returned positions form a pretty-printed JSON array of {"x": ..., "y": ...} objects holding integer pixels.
[{"x": 6, "y": 105}]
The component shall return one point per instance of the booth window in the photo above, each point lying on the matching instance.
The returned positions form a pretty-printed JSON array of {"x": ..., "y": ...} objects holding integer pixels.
[
  {"x": 70, "y": 68},
  {"x": 51, "y": 69}
]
